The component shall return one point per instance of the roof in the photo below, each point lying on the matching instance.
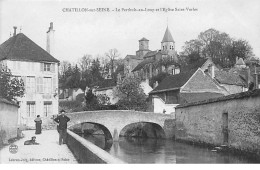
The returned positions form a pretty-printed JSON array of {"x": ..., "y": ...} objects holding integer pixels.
[
  {"x": 240, "y": 61},
  {"x": 106, "y": 84},
  {"x": 224, "y": 77},
  {"x": 21, "y": 48},
  {"x": 167, "y": 36},
  {"x": 173, "y": 82},
  {"x": 144, "y": 39},
  {"x": 247, "y": 94},
  {"x": 142, "y": 64},
  {"x": 195, "y": 65},
  {"x": 133, "y": 57},
  {"x": 2, "y": 100}
]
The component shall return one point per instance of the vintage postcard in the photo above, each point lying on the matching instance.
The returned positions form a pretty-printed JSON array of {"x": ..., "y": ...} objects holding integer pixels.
[{"x": 129, "y": 82}]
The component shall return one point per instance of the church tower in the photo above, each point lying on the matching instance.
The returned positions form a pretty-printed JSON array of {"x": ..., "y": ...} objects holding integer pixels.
[
  {"x": 168, "y": 44},
  {"x": 143, "y": 47}
]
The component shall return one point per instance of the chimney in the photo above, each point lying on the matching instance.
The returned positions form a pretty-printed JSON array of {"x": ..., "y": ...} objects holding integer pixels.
[
  {"x": 50, "y": 40},
  {"x": 15, "y": 30},
  {"x": 211, "y": 70},
  {"x": 256, "y": 79}
]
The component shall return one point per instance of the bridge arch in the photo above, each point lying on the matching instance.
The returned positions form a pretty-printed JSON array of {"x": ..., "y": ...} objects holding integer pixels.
[
  {"x": 143, "y": 129},
  {"x": 105, "y": 130}
]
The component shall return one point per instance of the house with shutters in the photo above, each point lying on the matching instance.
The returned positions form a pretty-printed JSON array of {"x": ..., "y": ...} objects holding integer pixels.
[{"x": 39, "y": 71}]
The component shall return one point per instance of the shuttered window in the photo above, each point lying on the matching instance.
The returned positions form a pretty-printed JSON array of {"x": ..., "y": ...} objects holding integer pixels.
[
  {"x": 30, "y": 109},
  {"x": 47, "y": 109},
  {"x": 47, "y": 85}
]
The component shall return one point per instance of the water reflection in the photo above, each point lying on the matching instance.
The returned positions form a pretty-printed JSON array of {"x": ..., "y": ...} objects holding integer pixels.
[{"x": 138, "y": 150}]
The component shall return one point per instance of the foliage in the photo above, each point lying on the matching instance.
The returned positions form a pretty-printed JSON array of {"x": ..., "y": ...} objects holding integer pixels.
[
  {"x": 112, "y": 54},
  {"x": 91, "y": 101},
  {"x": 71, "y": 106},
  {"x": 103, "y": 99},
  {"x": 130, "y": 94},
  {"x": 216, "y": 45},
  {"x": 11, "y": 87},
  {"x": 159, "y": 77}
]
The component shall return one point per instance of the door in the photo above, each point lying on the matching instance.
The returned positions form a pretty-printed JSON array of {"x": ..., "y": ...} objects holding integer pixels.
[{"x": 225, "y": 128}]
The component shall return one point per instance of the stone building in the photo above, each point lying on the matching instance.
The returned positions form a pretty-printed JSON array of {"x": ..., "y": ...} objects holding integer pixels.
[
  {"x": 39, "y": 71},
  {"x": 147, "y": 63}
]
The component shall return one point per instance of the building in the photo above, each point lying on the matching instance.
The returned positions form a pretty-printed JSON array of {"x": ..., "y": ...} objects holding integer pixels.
[
  {"x": 147, "y": 63},
  {"x": 70, "y": 94},
  {"x": 183, "y": 88},
  {"x": 106, "y": 88},
  {"x": 39, "y": 71}
]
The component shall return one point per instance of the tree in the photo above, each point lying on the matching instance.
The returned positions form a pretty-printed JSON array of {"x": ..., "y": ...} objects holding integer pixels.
[
  {"x": 91, "y": 101},
  {"x": 218, "y": 46},
  {"x": 112, "y": 55},
  {"x": 131, "y": 95},
  {"x": 85, "y": 62},
  {"x": 96, "y": 71},
  {"x": 11, "y": 87}
]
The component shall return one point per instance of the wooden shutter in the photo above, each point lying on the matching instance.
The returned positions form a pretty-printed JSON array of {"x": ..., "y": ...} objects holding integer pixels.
[
  {"x": 38, "y": 84},
  {"x": 24, "y": 81},
  {"x": 53, "y": 68},
  {"x": 54, "y": 86},
  {"x": 42, "y": 66}
]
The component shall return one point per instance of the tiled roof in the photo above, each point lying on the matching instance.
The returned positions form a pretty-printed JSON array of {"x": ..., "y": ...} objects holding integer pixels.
[
  {"x": 242, "y": 95},
  {"x": 144, "y": 39},
  {"x": 224, "y": 77},
  {"x": 240, "y": 61},
  {"x": 21, "y": 48},
  {"x": 195, "y": 65},
  {"x": 105, "y": 84},
  {"x": 173, "y": 81},
  {"x": 167, "y": 36},
  {"x": 133, "y": 57},
  {"x": 142, "y": 64},
  {"x": 148, "y": 59}
]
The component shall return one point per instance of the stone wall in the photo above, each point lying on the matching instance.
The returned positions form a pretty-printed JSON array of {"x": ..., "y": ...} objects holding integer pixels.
[
  {"x": 8, "y": 121},
  {"x": 86, "y": 152},
  {"x": 203, "y": 121}
]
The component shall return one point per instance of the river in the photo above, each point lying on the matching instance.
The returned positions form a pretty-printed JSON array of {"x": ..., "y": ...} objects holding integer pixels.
[{"x": 160, "y": 151}]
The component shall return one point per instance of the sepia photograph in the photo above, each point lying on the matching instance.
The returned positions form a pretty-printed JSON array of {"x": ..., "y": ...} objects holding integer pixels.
[{"x": 130, "y": 82}]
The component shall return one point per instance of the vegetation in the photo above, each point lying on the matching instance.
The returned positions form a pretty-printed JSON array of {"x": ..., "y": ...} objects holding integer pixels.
[
  {"x": 131, "y": 95},
  {"x": 217, "y": 45},
  {"x": 11, "y": 87}
]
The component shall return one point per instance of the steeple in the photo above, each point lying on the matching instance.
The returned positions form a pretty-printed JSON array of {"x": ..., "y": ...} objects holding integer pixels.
[{"x": 167, "y": 36}]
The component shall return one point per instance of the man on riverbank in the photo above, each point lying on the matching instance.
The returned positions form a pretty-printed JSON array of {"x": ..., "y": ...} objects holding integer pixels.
[{"x": 62, "y": 127}]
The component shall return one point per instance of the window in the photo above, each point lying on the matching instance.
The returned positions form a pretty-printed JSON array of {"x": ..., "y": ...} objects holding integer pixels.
[
  {"x": 30, "y": 109},
  {"x": 47, "y": 109},
  {"x": 47, "y": 67},
  {"x": 30, "y": 84},
  {"x": 46, "y": 85}
]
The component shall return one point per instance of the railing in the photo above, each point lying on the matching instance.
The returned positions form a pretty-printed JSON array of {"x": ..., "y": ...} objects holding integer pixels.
[{"x": 86, "y": 152}]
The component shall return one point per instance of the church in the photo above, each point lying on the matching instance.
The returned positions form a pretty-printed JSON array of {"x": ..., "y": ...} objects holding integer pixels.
[{"x": 147, "y": 63}]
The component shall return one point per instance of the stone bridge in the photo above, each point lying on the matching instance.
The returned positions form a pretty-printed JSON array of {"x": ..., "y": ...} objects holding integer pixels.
[{"x": 115, "y": 122}]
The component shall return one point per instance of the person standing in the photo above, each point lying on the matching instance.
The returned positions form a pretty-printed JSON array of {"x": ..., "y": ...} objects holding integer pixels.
[
  {"x": 62, "y": 120},
  {"x": 38, "y": 125}
]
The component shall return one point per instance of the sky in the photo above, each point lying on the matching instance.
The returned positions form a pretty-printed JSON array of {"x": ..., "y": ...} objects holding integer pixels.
[{"x": 93, "y": 32}]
